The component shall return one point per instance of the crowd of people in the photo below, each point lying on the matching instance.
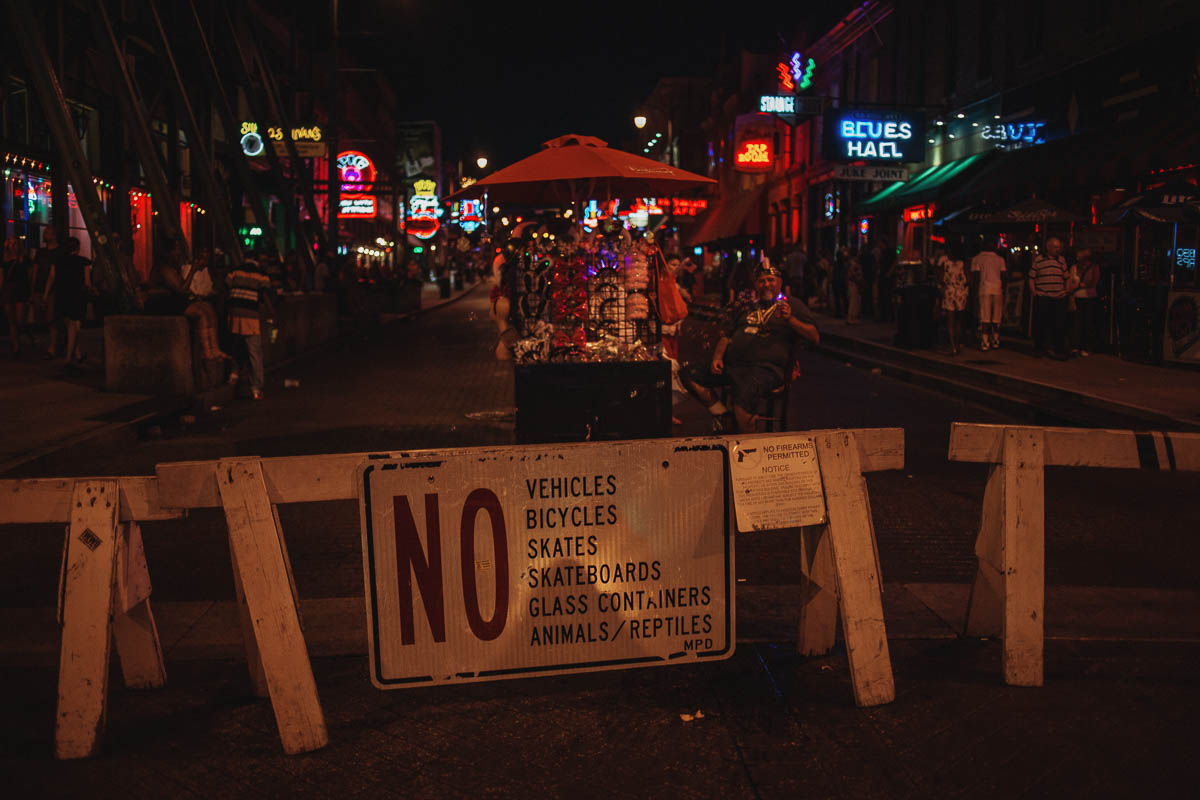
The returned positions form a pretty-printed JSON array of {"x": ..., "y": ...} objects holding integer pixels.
[{"x": 49, "y": 291}]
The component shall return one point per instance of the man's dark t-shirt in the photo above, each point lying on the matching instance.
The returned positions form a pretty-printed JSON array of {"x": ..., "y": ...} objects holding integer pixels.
[{"x": 760, "y": 336}]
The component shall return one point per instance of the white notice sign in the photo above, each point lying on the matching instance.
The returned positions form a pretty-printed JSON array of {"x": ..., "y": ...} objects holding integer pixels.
[
  {"x": 482, "y": 564},
  {"x": 776, "y": 482}
]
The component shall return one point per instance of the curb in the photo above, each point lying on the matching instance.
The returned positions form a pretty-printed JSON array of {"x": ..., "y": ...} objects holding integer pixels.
[
  {"x": 1005, "y": 392},
  {"x": 123, "y": 433}
]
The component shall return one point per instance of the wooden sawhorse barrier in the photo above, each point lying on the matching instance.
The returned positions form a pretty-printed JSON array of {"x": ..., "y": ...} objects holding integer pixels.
[
  {"x": 841, "y": 560},
  {"x": 104, "y": 592},
  {"x": 1008, "y": 594}
]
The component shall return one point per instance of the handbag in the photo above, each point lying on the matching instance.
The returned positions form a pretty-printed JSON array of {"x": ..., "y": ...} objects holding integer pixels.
[{"x": 671, "y": 306}]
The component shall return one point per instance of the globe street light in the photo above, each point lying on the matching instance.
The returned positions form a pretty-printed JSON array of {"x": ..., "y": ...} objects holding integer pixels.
[
  {"x": 481, "y": 162},
  {"x": 639, "y": 121}
]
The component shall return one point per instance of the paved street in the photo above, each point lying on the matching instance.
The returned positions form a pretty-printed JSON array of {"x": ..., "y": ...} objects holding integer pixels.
[{"x": 1113, "y": 716}]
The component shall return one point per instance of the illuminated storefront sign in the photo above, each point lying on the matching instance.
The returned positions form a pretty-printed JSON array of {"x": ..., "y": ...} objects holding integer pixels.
[
  {"x": 861, "y": 134},
  {"x": 753, "y": 156},
  {"x": 777, "y": 104},
  {"x": 308, "y": 139},
  {"x": 864, "y": 226},
  {"x": 470, "y": 215},
  {"x": 831, "y": 206},
  {"x": 786, "y": 84},
  {"x": 802, "y": 71},
  {"x": 357, "y": 173},
  {"x": 1186, "y": 257},
  {"x": 918, "y": 213},
  {"x": 360, "y": 206},
  {"x": 423, "y": 210},
  {"x": 1014, "y": 135}
]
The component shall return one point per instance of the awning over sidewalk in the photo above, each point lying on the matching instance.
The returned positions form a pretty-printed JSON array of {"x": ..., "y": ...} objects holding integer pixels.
[
  {"x": 928, "y": 186},
  {"x": 731, "y": 217}
]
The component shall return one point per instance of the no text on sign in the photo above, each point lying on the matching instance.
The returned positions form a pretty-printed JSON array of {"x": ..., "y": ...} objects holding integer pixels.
[{"x": 506, "y": 563}]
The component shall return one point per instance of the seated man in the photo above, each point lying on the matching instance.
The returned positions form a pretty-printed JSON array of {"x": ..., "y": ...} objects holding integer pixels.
[{"x": 754, "y": 354}]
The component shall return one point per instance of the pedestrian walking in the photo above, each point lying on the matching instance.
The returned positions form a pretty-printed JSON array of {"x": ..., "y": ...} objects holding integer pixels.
[
  {"x": 71, "y": 281},
  {"x": 987, "y": 271},
  {"x": 249, "y": 294},
  {"x": 1048, "y": 284},
  {"x": 855, "y": 283},
  {"x": 953, "y": 282},
  {"x": 840, "y": 282},
  {"x": 41, "y": 298},
  {"x": 1087, "y": 303},
  {"x": 201, "y": 309},
  {"x": 15, "y": 288}
]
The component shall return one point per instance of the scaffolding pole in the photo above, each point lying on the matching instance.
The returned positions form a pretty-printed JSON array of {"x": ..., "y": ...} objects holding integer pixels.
[
  {"x": 44, "y": 79},
  {"x": 199, "y": 149},
  {"x": 138, "y": 126},
  {"x": 229, "y": 121}
]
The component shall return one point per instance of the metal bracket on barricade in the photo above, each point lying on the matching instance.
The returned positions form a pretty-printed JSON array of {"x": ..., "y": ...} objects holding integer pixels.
[
  {"x": 104, "y": 593},
  {"x": 1008, "y": 594}
]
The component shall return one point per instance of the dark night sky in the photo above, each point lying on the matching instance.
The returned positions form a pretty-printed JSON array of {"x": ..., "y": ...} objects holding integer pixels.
[{"x": 501, "y": 78}]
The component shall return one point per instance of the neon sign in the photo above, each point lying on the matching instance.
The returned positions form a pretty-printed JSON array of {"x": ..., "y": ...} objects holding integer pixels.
[
  {"x": 864, "y": 226},
  {"x": 1017, "y": 134},
  {"x": 830, "y": 205},
  {"x": 423, "y": 210},
  {"x": 1186, "y": 257},
  {"x": 357, "y": 173},
  {"x": 785, "y": 77},
  {"x": 918, "y": 213},
  {"x": 470, "y": 215},
  {"x": 801, "y": 71},
  {"x": 309, "y": 140},
  {"x": 777, "y": 104},
  {"x": 852, "y": 134},
  {"x": 754, "y": 155}
]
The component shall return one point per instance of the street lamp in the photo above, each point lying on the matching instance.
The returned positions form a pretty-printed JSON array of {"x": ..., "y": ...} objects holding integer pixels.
[
  {"x": 481, "y": 162},
  {"x": 639, "y": 121}
]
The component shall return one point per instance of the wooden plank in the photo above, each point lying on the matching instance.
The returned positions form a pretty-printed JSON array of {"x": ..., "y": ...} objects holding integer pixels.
[
  {"x": 1082, "y": 447},
  {"x": 851, "y": 537},
  {"x": 138, "y": 648},
  {"x": 985, "y": 607},
  {"x": 1024, "y": 557},
  {"x": 87, "y": 617},
  {"x": 39, "y": 500},
  {"x": 297, "y": 479},
  {"x": 817, "y": 629},
  {"x": 256, "y": 544},
  {"x": 258, "y": 679},
  {"x": 134, "y": 631}
]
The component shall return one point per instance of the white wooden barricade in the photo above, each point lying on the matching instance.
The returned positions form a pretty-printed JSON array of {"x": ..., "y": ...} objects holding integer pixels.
[
  {"x": 1008, "y": 595},
  {"x": 843, "y": 565},
  {"x": 841, "y": 561},
  {"x": 104, "y": 592}
]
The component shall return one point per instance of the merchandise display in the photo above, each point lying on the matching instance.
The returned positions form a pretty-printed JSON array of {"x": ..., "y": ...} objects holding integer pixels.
[{"x": 586, "y": 297}]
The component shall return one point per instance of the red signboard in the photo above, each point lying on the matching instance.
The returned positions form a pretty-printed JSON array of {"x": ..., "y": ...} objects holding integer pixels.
[{"x": 753, "y": 155}]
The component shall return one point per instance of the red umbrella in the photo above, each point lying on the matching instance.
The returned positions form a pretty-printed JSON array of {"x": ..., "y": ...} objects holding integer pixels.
[{"x": 573, "y": 167}]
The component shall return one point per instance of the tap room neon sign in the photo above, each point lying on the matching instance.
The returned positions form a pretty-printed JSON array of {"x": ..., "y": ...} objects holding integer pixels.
[
  {"x": 754, "y": 155},
  {"x": 873, "y": 135}
]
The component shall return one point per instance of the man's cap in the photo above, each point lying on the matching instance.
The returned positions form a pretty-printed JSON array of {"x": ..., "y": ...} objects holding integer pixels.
[{"x": 767, "y": 268}]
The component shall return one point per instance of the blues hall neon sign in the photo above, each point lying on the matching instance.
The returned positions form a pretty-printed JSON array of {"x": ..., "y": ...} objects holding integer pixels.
[{"x": 873, "y": 135}]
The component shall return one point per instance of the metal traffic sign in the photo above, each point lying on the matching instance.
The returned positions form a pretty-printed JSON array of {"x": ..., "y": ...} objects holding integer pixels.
[{"x": 536, "y": 560}]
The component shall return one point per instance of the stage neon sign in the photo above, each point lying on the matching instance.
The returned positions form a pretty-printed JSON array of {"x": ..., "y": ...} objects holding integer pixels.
[
  {"x": 777, "y": 104},
  {"x": 785, "y": 77},
  {"x": 802, "y": 71}
]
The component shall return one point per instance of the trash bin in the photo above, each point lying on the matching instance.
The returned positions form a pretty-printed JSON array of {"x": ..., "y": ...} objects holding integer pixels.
[{"x": 444, "y": 286}]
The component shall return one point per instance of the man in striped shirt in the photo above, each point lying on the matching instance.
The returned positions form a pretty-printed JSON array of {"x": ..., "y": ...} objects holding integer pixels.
[
  {"x": 249, "y": 288},
  {"x": 1048, "y": 283}
]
